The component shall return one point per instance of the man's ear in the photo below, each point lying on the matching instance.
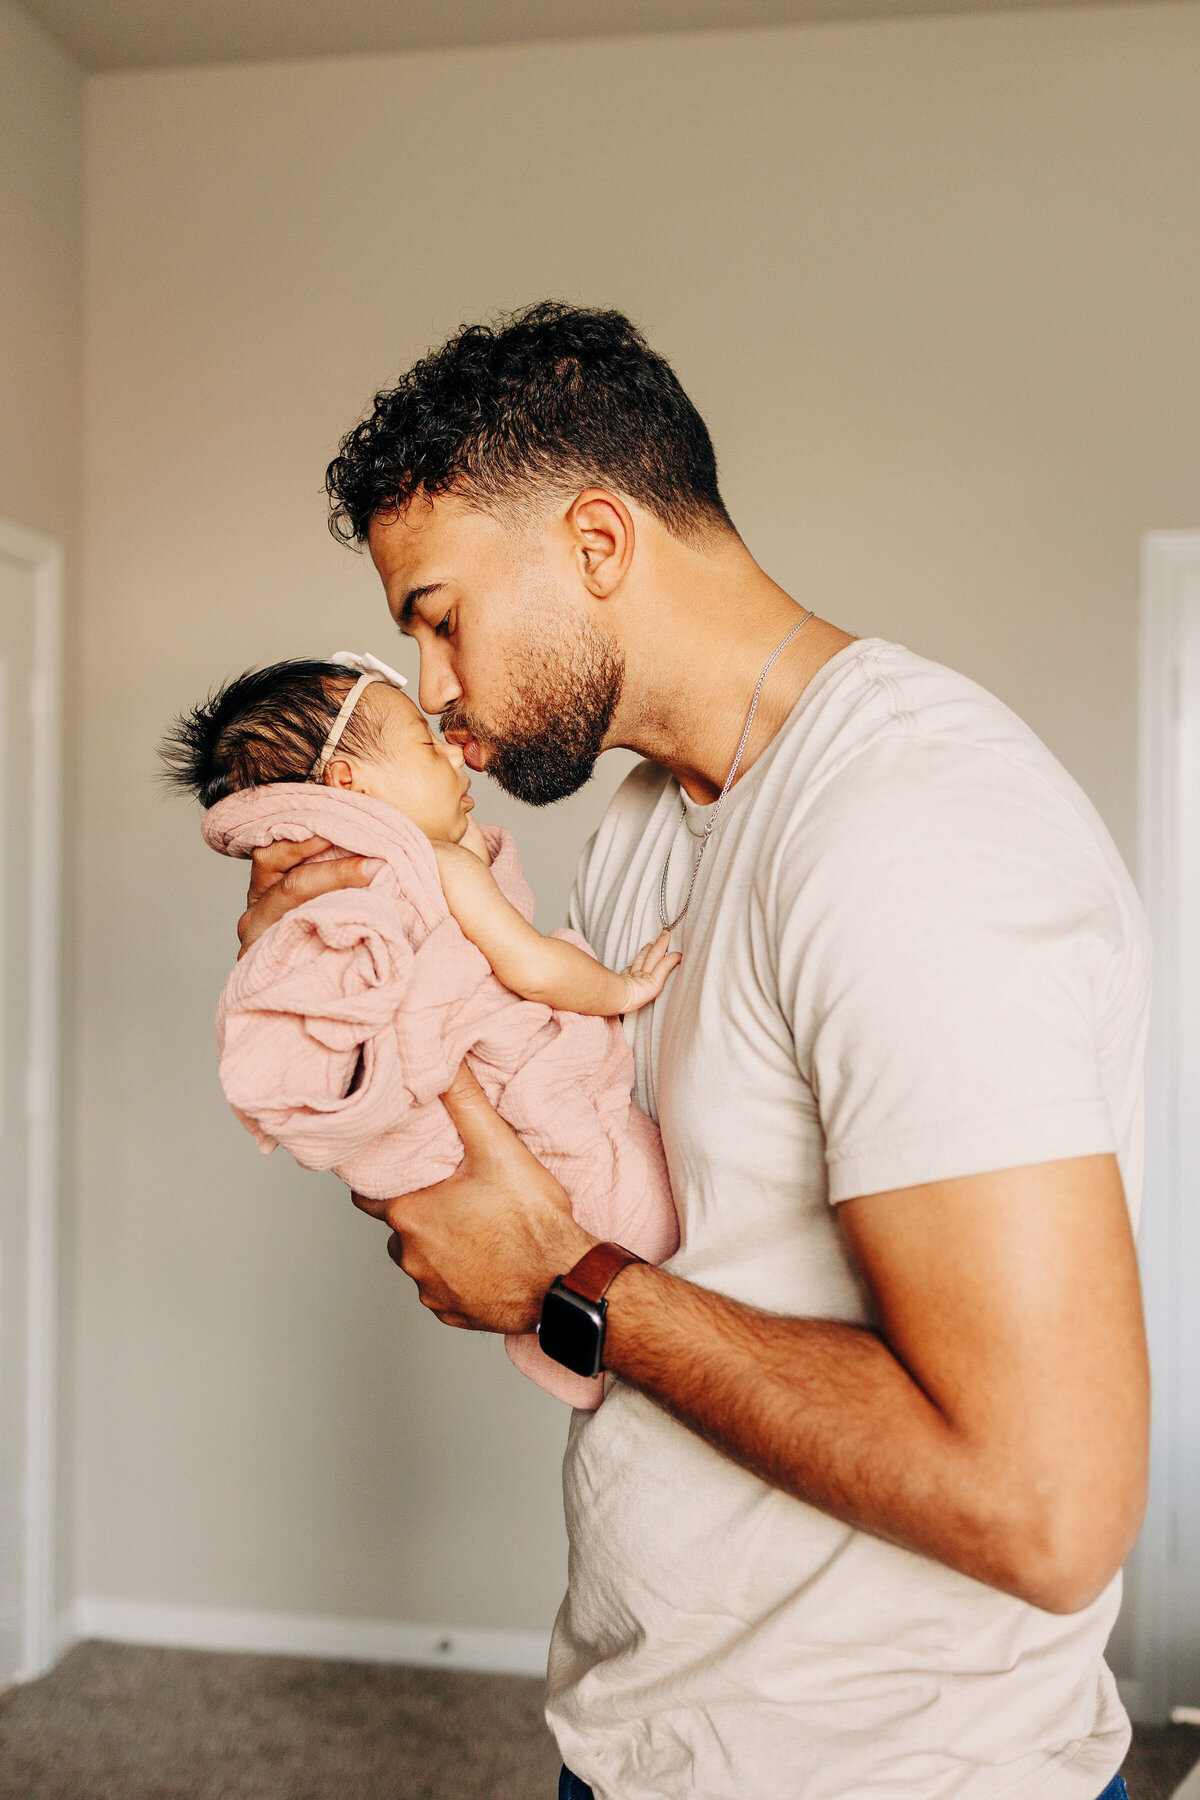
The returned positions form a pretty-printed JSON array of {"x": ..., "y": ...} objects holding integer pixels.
[{"x": 602, "y": 540}]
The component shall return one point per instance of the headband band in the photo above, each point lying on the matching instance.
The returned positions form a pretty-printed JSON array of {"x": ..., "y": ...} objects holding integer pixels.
[
  {"x": 340, "y": 723},
  {"x": 362, "y": 663}
]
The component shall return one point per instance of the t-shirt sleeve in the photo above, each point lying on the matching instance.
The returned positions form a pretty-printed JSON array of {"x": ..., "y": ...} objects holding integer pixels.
[{"x": 942, "y": 926}]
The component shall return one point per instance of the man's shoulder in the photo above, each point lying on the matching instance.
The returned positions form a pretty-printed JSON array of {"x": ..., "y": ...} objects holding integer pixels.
[
  {"x": 889, "y": 733},
  {"x": 875, "y": 692},
  {"x": 908, "y": 778}
]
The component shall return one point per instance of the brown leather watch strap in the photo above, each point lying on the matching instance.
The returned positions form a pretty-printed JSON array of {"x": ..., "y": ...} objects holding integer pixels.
[{"x": 594, "y": 1272}]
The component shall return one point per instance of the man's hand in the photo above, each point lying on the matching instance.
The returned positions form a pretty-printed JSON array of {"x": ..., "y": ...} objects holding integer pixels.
[
  {"x": 282, "y": 878},
  {"x": 485, "y": 1244}
]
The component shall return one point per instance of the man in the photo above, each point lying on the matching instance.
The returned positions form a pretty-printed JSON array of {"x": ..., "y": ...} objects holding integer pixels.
[{"x": 851, "y": 1518}]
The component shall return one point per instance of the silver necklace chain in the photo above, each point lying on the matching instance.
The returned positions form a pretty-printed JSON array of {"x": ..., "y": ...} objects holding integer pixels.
[{"x": 670, "y": 924}]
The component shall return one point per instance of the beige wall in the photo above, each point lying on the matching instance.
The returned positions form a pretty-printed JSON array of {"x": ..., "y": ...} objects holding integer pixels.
[
  {"x": 41, "y": 197},
  {"x": 41, "y": 321},
  {"x": 935, "y": 285}
]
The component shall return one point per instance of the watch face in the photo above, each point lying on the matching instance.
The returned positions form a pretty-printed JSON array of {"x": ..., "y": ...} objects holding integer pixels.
[{"x": 572, "y": 1329}]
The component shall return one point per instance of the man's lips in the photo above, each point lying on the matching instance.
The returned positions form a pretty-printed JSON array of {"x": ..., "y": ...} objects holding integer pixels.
[{"x": 471, "y": 748}]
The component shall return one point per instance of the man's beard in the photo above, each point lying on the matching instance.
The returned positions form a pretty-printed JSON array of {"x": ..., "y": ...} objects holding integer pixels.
[{"x": 563, "y": 697}]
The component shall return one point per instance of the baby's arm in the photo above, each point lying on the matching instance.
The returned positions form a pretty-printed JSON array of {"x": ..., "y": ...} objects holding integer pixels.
[
  {"x": 476, "y": 843},
  {"x": 537, "y": 967}
]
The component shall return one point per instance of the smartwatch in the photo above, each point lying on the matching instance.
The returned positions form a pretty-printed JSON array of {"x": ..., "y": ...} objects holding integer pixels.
[{"x": 572, "y": 1324}]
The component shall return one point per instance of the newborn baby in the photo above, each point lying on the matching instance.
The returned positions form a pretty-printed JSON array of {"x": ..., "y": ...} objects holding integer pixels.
[
  {"x": 344, "y": 1023},
  {"x": 348, "y": 724}
]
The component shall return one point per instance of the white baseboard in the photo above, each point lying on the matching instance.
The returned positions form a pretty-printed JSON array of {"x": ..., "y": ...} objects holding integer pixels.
[{"x": 290, "y": 1634}]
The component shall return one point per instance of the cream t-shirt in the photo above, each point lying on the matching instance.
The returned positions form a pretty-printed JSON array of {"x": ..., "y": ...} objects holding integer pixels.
[{"x": 912, "y": 953}]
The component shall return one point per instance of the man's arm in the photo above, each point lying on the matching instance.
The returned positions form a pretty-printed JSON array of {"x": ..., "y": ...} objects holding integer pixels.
[{"x": 996, "y": 1422}]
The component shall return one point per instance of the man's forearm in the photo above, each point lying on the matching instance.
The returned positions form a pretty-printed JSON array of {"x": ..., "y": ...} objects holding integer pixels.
[{"x": 825, "y": 1412}]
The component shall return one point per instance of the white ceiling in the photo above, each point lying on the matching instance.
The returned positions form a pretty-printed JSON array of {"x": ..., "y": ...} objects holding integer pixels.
[{"x": 147, "y": 34}]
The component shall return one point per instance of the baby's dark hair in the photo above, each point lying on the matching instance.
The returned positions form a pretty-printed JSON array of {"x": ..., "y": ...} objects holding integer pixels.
[{"x": 263, "y": 726}]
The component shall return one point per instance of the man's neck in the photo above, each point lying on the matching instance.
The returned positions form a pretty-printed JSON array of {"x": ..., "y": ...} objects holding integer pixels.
[{"x": 696, "y": 640}]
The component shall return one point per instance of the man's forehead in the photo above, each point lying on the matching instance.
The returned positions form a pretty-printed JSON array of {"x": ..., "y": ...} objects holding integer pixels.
[
  {"x": 433, "y": 544},
  {"x": 420, "y": 545},
  {"x": 399, "y": 542},
  {"x": 403, "y": 549}
]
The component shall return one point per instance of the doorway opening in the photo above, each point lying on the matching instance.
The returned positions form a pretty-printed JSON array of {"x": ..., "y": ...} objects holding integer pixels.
[{"x": 1165, "y": 1572}]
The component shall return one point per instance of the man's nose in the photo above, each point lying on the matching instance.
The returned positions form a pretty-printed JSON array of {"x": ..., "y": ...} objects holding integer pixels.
[{"x": 437, "y": 687}]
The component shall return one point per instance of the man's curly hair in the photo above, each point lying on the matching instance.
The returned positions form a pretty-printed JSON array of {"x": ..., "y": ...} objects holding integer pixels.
[{"x": 544, "y": 400}]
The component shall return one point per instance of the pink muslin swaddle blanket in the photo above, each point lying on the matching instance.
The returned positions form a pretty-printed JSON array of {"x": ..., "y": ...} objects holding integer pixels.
[{"x": 342, "y": 1025}]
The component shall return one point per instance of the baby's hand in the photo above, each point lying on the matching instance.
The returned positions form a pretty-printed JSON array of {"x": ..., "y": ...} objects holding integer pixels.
[{"x": 646, "y": 974}]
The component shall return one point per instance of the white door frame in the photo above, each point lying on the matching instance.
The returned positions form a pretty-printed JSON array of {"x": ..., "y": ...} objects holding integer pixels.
[
  {"x": 1169, "y": 824},
  {"x": 44, "y": 558}
]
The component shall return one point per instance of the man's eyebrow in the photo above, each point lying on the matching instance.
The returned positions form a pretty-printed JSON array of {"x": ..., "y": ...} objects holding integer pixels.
[{"x": 410, "y": 601}]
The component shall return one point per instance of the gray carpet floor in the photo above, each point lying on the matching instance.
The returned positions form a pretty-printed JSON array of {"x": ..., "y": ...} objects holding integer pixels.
[
  {"x": 118, "y": 1723},
  {"x": 113, "y": 1722}
]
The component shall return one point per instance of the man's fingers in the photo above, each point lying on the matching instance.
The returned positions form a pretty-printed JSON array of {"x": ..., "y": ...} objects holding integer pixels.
[
  {"x": 376, "y": 1208},
  {"x": 438, "y": 1307},
  {"x": 476, "y": 1120},
  {"x": 306, "y": 880},
  {"x": 303, "y": 881},
  {"x": 397, "y": 1210},
  {"x": 464, "y": 1089},
  {"x": 273, "y": 861}
]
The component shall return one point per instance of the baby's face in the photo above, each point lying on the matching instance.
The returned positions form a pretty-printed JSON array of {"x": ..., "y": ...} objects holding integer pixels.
[{"x": 415, "y": 772}]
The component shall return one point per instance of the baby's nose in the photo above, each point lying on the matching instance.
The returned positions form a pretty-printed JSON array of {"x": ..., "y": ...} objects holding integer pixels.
[{"x": 455, "y": 753}]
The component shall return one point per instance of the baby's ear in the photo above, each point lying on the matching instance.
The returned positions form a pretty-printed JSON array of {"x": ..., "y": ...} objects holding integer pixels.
[{"x": 338, "y": 773}]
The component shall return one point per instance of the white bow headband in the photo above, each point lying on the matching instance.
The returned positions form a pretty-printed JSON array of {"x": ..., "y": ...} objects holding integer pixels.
[{"x": 371, "y": 670}]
